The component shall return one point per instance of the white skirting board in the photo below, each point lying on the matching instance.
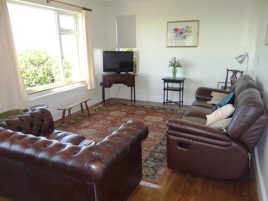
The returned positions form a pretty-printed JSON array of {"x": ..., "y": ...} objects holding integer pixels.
[{"x": 261, "y": 187}]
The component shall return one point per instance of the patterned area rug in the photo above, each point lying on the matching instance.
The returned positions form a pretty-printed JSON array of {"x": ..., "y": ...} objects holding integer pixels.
[{"x": 104, "y": 120}]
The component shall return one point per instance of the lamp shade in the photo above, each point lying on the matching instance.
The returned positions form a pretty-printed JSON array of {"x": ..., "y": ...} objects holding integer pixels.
[{"x": 241, "y": 58}]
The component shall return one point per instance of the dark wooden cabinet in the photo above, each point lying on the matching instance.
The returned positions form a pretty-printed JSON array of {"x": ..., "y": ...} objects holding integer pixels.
[{"x": 127, "y": 79}]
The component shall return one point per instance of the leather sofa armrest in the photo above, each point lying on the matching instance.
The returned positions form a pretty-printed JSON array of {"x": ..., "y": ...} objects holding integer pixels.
[
  {"x": 204, "y": 93},
  {"x": 135, "y": 124},
  {"x": 112, "y": 148},
  {"x": 37, "y": 122},
  {"x": 195, "y": 131}
]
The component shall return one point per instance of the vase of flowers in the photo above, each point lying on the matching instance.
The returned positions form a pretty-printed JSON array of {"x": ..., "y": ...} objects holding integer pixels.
[{"x": 174, "y": 63}]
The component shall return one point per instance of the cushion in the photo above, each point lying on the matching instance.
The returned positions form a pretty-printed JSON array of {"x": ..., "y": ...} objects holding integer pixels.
[
  {"x": 222, "y": 124},
  {"x": 216, "y": 97},
  {"x": 227, "y": 100},
  {"x": 220, "y": 114},
  {"x": 202, "y": 104},
  {"x": 196, "y": 111}
]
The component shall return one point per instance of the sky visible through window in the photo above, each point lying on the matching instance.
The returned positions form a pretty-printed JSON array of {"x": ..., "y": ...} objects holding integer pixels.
[{"x": 38, "y": 33}]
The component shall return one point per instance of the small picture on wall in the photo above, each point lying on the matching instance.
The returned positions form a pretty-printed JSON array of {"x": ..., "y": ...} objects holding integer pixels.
[{"x": 183, "y": 33}]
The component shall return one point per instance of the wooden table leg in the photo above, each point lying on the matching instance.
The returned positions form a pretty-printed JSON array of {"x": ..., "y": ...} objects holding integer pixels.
[
  {"x": 131, "y": 94},
  {"x": 87, "y": 108},
  {"x": 182, "y": 93},
  {"x": 103, "y": 94},
  {"x": 81, "y": 106},
  {"x": 167, "y": 95},
  {"x": 134, "y": 94},
  {"x": 164, "y": 94},
  {"x": 69, "y": 115},
  {"x": 63, "y": 116}
]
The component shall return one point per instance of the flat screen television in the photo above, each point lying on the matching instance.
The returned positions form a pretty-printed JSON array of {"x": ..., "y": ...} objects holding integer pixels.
[{"x": 118, "y": 61}]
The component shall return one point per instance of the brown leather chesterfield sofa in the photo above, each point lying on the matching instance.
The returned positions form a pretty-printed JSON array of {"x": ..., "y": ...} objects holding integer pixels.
[
  {"x": 196, "y": 148},
  {"x": 38, "y": 163}
]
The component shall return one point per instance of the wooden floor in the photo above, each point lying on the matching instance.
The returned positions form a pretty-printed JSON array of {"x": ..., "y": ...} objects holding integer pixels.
[{"x": 181, "y": 186}]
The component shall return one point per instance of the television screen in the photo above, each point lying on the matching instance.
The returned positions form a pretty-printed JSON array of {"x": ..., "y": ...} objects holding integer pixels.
[{"x": 117, "y": 61}]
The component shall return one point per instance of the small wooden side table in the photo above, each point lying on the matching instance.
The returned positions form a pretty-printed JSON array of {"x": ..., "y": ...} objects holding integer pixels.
[{"x": 179, "y": 87}]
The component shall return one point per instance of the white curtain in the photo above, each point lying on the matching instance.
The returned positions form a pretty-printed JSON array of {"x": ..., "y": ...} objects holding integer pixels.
[
  {"x": 90, "y": 74},
  {"x": 12, "y": 91}
]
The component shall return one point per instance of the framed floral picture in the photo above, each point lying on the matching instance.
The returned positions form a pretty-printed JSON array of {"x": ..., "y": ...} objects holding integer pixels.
[{"x": 182, "y": 33}]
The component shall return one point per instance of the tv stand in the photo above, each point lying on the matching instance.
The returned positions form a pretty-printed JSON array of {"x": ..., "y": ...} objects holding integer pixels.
[{"x": 127, "y": 79}]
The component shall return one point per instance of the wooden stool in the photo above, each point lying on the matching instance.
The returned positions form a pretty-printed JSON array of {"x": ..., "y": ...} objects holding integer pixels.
[{"x": 69, "y": 108}]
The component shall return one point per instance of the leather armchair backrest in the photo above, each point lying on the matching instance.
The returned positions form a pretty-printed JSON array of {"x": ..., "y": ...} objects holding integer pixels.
[
  {"x": 249, "y": 119},
  {"x": 244, "y": 82},
  {"x": 37, "y": 122}
]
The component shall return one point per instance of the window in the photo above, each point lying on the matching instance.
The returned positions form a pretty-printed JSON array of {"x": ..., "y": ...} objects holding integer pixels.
[
  {"x": 126, "y": 35},
  {"x": 126, "y": 31},
  {"x": 134, "y": 56},
  {"x": 47, "y": 44}
]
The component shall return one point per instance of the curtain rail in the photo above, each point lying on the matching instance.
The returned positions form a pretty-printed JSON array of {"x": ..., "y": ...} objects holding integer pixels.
[{"x": 83, "y": 8}]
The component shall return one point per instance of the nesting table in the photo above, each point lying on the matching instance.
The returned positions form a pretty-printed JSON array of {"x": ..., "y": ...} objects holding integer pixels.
[{"x": 173, "y": 84}]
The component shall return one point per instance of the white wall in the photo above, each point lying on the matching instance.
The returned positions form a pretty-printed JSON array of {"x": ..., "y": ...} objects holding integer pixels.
[
  {"x": 261, "y": 72},
  {"x": 227, "y": 28},
  {"x": 66, "y": 95}
]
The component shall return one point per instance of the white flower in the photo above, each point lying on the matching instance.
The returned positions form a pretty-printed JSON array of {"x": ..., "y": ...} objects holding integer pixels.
[{"x": 175, "y": 63}]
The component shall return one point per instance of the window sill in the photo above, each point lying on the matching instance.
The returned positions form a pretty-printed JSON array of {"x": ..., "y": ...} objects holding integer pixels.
[
  {"x": 56, "y": 89},
  {"x": 53, "y": 87}
]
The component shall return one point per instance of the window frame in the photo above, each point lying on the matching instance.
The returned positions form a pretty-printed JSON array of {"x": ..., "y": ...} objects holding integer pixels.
[{"x": 60, "y": 31}]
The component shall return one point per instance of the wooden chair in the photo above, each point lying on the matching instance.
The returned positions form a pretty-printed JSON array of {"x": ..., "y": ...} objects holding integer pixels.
[{"x": 231, "y": 77}]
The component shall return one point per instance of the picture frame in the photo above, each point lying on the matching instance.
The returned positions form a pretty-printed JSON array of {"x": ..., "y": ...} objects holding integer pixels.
[{"x": 183, "y": 33}]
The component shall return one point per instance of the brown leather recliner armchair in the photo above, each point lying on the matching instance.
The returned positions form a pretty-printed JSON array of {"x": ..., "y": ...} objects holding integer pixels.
[
  {"x": 194, "y": 147},
  {"x": 38, "y": 163}
]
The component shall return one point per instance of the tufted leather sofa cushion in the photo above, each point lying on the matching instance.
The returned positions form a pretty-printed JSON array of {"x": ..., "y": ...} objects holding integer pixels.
[
  {"x": 37, "y": 122},
  {"x": 67, "y": 137}
]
